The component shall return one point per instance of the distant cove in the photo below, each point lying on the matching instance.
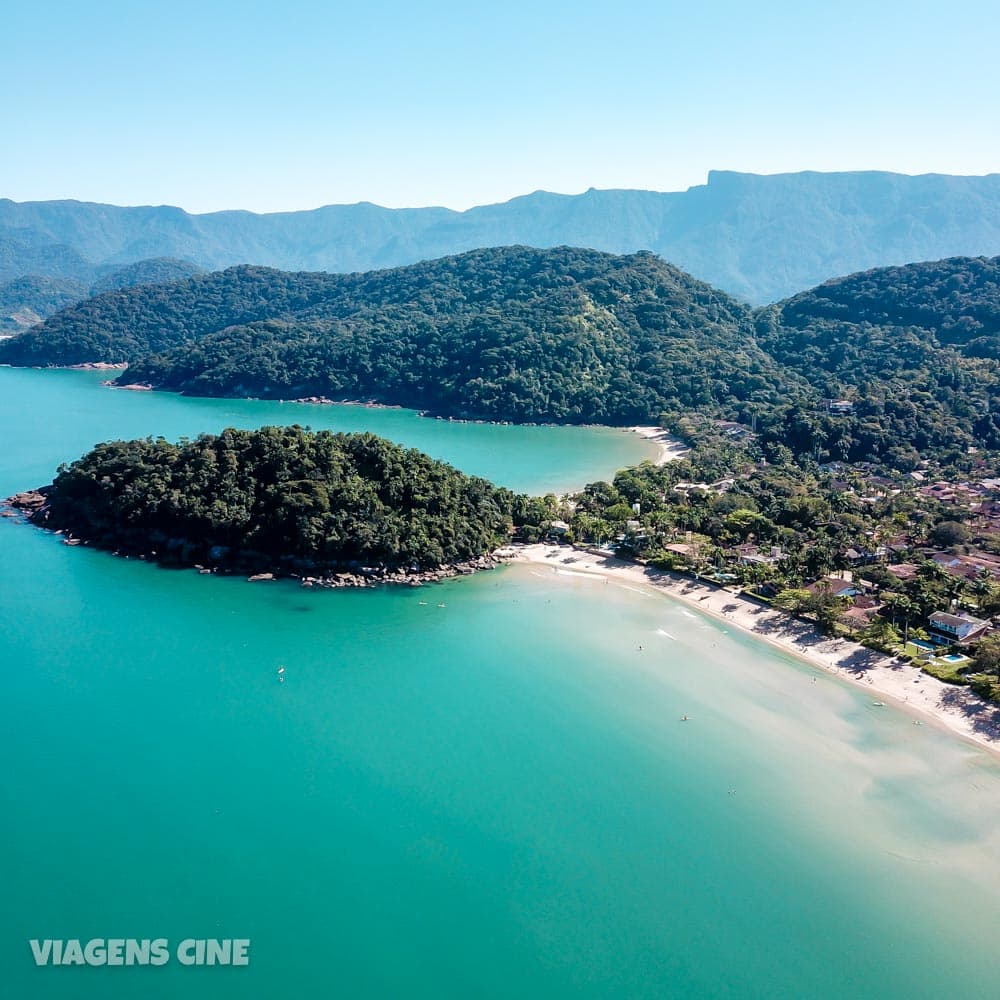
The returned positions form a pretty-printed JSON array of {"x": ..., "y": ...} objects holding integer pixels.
[{"x": 529, "y": 459}]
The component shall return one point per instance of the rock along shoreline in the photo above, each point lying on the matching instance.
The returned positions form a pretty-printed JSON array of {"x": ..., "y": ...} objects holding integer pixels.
[{"x": 30, "y": 505}]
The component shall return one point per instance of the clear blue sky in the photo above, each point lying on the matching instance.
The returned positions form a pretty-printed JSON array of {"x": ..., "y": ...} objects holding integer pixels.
[{"x": 293, "y": 105}]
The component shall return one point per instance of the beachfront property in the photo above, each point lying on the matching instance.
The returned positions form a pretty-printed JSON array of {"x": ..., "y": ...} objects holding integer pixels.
[
  {"x": 750, "y": 554},
  {"x": 835, "y": 587},
  {"x": 683, "y": 549},
  {"x": 862, "y": 611},
  {"x": 946, "y": 627},
  {"x": 734, "y": 430}
]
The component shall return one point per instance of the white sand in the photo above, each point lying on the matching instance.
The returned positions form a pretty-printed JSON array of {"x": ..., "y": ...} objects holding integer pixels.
[
  {"x": 953, "y": 708},
  {"x": 669, "y": 446}
]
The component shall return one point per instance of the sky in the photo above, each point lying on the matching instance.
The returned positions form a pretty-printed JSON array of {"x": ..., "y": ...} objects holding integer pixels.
[{"x": 279, "y": 107}]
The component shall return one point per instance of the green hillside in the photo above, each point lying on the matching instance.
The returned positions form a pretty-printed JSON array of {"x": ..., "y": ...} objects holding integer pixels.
[
  {"x": 28, "y": 300},
  {"x": 564, "y": 335},
  {"x": 913, "y": 349},
  {"x": 32, "y": 298}
]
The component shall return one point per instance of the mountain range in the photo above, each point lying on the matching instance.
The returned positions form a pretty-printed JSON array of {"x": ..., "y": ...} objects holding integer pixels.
[{"x": 759, "y": 238}]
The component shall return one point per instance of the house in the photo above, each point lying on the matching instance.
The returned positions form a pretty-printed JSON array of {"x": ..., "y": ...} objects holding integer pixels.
[
  {"x": 835, "y": 586},
  {"x": 968, "y": 567},
  {"x": 718, "y": 487},
  {"x": 902, "y": 571},
  {"x": 947, "y": 627},
  {"x": 862, "y": 611},
  {"x": 951, "y": 493},
  {"x": 946, "y": 560},
  {"x": 858, "y": 556},
  {"x": 681, "y": 549},
  {"x": 734, "y": 430},
  {"x": 750, "y": 554},
  {"x": 840, "y": 406}
]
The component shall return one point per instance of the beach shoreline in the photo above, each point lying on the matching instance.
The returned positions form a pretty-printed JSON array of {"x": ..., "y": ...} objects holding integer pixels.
[
  {"x": 669, "y": 447},
  {"x": 955, "y": 709}
]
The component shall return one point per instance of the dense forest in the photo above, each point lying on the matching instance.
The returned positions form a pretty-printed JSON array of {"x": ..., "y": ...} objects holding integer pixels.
[
  {"x": 28, "y": 300},
  {"x": 32, "y": 298},
  {"x": 278, "y": 499},
  {"x": 914, "y": 352},
  {"x": 894, "y": 365},
  {"x": 566, "y": 335}
]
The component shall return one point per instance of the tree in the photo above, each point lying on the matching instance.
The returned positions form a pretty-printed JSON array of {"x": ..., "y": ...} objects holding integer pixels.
[
  {"x": 825, "y": 606},
  {"x": 901, "y": 609},
  {"x": 949, "y": 533},
  {"x": 880, "y": 634},
  {"x": 793, "y": 600},
  {"x": 987, "y": 655}
]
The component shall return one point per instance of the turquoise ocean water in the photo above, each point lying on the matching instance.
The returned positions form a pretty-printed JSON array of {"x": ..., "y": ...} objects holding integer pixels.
[{"x": 491, "y": 799}]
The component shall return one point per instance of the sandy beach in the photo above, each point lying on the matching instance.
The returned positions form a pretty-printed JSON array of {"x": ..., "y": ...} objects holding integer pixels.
[
  {"x": 929, "y": 700},
  {"x": 669, "y": 446}
]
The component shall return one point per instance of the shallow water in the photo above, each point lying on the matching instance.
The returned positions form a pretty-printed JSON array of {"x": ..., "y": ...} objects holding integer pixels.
[{"x": 496, "y": 798}]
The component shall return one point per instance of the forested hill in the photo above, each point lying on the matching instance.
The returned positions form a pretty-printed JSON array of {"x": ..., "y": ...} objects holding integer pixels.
[
  {"x": 564, "y": 335},
  {"x": 278, "y": 499},
  {"x": 31, "y": 298},
  {"x": 913, "y": 350},
  {"x": 127, "y": 324},
  {"x": 909, "y": 355},
  {"x": 760, "y": 238}
]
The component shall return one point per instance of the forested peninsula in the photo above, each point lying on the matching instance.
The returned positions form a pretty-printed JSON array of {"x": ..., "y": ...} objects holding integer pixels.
[
  {"x": 894, "y": 365},
  {"x": 330, "y": 508}
]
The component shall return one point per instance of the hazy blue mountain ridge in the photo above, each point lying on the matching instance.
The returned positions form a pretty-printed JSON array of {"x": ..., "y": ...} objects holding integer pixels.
[{"x": 760, "y": 238}]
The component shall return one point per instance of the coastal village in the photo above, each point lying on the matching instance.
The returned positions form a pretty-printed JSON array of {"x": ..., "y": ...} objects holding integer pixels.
[{"x": 906, "y": 564}]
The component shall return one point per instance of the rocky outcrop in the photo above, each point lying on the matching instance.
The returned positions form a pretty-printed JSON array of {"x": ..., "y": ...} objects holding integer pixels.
[
  {"x": 369, "y": 576},
  {"x": 30, "y": 502}
]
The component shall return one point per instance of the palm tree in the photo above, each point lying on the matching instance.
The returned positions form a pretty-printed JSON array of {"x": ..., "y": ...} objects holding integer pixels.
[
  {"x": 930, "y": 570},
  {"x": 901, "y": 608}
]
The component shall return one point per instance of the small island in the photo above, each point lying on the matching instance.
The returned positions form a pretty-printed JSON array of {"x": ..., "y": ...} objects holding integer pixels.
[{"x": 332, "y": 509}]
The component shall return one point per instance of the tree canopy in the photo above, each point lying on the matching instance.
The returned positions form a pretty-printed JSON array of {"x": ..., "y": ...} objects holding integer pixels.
[{"x": 278, "y": 497}]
